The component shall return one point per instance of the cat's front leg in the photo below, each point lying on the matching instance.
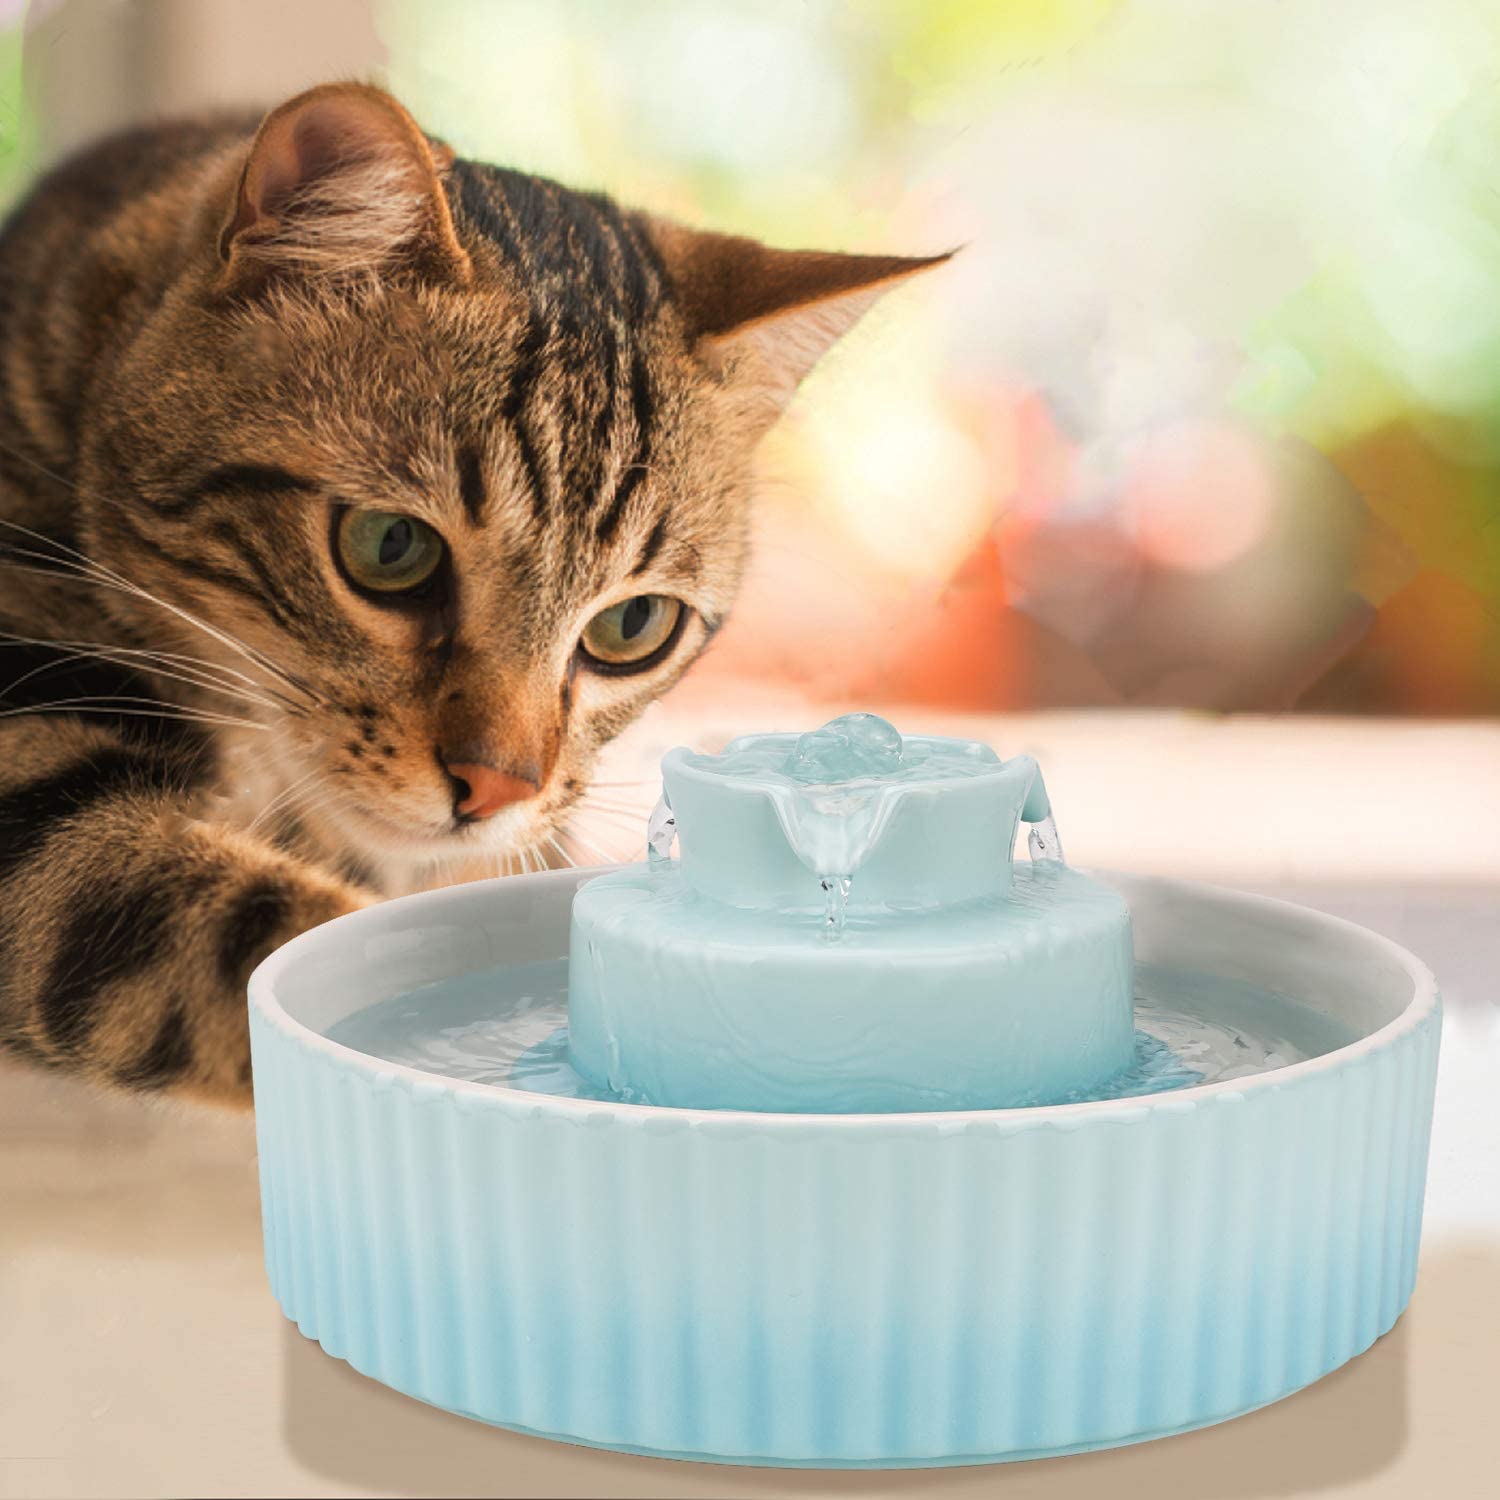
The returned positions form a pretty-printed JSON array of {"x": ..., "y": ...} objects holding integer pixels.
[{"x": 129, "y": 925}]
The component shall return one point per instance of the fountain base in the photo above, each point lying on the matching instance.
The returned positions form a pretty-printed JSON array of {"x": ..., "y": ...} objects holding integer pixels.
[{"x": 678, "y": 1000}]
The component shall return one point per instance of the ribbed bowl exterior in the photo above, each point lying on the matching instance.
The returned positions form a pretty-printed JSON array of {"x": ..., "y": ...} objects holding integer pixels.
[{"x": 830, "y": 1291}]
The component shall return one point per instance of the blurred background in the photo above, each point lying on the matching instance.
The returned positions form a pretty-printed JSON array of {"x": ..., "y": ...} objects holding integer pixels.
[
  {"x": 1205, "y": 416},
  {"x": 1184, "y": 477}
]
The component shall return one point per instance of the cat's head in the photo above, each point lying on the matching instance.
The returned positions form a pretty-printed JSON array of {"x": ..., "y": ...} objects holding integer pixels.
[{"x": 463, "y": 453}]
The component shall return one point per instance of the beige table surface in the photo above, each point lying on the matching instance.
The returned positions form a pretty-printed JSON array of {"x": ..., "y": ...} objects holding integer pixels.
[{"x": 141, "y": 1352}]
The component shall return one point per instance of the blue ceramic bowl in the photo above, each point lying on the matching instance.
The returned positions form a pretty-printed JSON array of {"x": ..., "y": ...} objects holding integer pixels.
[{"x": 843, "y": 1290}]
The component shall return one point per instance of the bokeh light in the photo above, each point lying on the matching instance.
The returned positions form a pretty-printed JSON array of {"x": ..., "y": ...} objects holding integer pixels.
[{"x": 1196, "y": 495}]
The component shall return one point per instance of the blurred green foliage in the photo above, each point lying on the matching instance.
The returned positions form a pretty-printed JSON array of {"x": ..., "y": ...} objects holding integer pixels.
[{"x": 16, "y": 136}]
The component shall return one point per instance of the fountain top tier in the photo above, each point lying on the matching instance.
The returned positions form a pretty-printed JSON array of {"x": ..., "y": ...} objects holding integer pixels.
[{"x": 913, "y": 821}]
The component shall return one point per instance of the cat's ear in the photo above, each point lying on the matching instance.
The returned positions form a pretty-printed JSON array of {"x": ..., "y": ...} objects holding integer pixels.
[
  {"x": 764, "y": 316},
  {"x": 340, "y": 180}
]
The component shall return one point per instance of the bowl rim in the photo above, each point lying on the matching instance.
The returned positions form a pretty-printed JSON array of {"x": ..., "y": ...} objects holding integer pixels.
[{"x": 1425, "y": 1001}]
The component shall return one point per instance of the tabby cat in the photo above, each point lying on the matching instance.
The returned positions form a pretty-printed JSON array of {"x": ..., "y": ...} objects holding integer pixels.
[{"x": 386, "y": 485}]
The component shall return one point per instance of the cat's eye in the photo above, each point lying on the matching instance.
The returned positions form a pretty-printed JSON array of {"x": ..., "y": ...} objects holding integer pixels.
[
  {"x": 388, "y": 553},
  {"x": 628, "y": 635}
]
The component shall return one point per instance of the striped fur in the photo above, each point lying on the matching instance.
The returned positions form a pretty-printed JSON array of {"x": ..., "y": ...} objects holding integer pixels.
[{"x": 213, "y": 339}]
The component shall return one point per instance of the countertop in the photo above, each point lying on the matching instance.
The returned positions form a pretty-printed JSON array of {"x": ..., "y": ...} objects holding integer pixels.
[{"x": 143, "y": 1353}]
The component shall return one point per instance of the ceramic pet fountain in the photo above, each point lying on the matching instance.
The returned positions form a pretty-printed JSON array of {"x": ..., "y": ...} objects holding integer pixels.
[{"x": 843, "y": 1138}]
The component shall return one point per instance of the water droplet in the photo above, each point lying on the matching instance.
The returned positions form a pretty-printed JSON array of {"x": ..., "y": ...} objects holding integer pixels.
[
  {"x": 661, "y": 833},
  {"x": 1043, "y": 842},
  {"x": 836, "y": 899}
]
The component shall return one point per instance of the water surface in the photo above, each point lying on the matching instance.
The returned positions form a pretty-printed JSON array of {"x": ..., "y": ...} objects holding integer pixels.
[{"x": 507, "y": 1027}]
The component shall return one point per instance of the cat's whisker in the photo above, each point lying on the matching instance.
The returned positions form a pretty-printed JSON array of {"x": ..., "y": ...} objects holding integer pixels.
[
  {"x": 618, "y": 843},
  {"x": 610, "y": 849},
  {"x": 94, "y": 571},
  {"x": 618, "y": 819},
  {"x": 568, "y": 862},
  {"x": 121, "y": 658},
  {"x": 216, "y": 670},
  {"x": 328, "y": 802},
  {"x": 289, "y": 816},
  {"x": 111, "y": 707},
  {"x": 616, "y": 799},
  {"x": 632, "y": 840},
  {"x": 592, "y": 855},
  {"x": 107, "y": 703},
  {"x": 51, "y": 572},
  {"x": 211, "y": 674},
  {"x": 637, "y": 814},
  {"x": 283, "y": 801},
  {"x": 592, "y": 807},
  {"x": 591, "y": 846}
]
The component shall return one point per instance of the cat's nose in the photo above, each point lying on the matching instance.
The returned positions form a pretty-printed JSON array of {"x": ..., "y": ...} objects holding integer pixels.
[{"x": 480, "y": 791}]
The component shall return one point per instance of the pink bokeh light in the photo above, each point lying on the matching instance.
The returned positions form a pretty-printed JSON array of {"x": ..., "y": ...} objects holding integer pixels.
[{"x": 1198, "y": 495}]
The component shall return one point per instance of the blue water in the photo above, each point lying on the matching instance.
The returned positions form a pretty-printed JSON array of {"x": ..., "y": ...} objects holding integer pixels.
[
  {"x": 855, "y": 745},
  {"x": 507, "y": 1027}
]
